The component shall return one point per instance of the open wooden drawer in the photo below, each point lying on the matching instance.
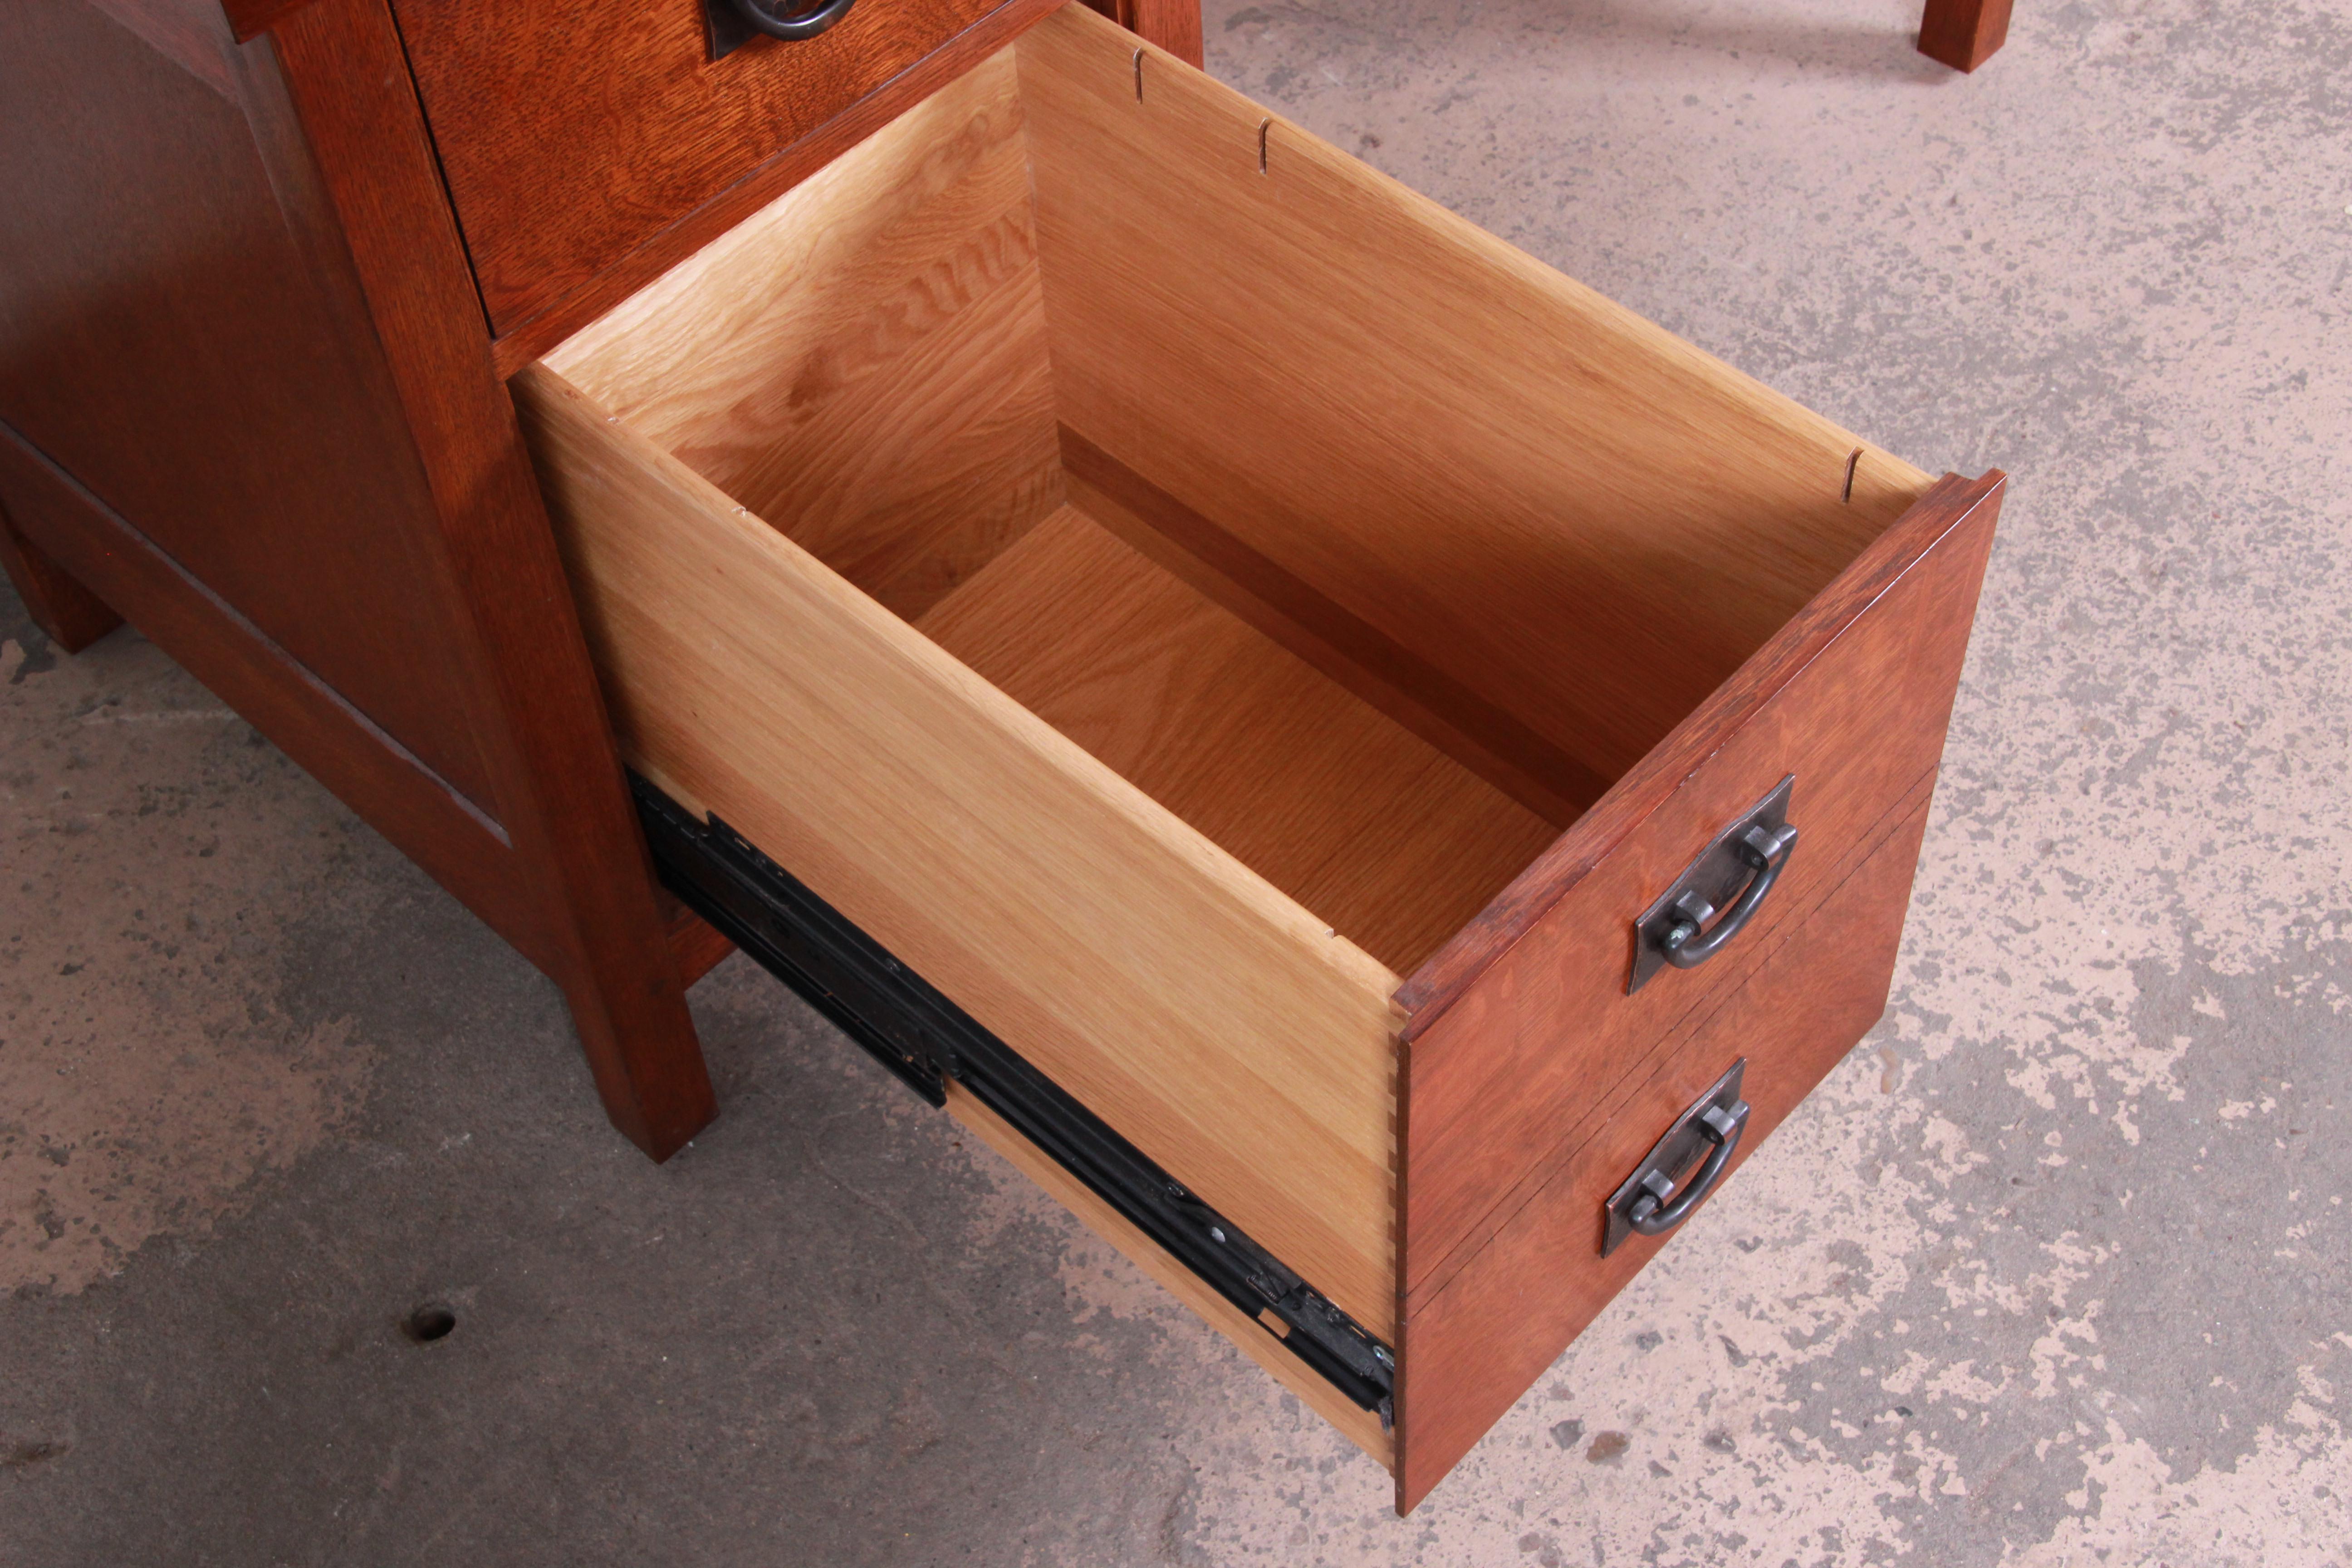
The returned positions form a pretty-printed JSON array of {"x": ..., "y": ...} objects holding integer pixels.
[{"x": 1164, "y": 584}]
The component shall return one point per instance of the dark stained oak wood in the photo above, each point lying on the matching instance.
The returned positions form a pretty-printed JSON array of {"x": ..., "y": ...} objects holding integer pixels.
[
  {"x": 72, "y": 615},
  {"x": 1450, "y": 972},
  {"x": 334, "y": 742},
  {"x": 248, "y": 18},
  {"x": 1514, "y": 1057},
  {"x": 1963, "y": 33},
  {"x": 252, "y": 343},
  {"x": 191, "y": 35},
  {"x": 169, "y": 335},
  {"x": 560, "y": 785},
  {"x": 1470, "y": 1351},
  {"x": 624, "y": 272},
  {"x": 573, "y": 132},
  {"x": 1853, "y": 699},
  {"x": 698, "y": 945},
  {"x": 1173, "y": 25}
]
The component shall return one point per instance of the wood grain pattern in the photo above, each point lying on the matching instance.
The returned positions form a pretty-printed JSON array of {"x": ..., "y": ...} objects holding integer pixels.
[
  {"x": 1851, "y": 699},
  {"x": 343, "y": 98},
  {"x": 1561, "y": 505},
  {"x": 862, "y": 364},
  {"x": 1361, "y": 1427},
  {"x": 1367, "y": 826},
  {"x": 1963, "y": 33},
  {"x": 574, "y": 130},
  {"x": 1470, "y": 1351},
  {"x": 521, "y": 342},
  {"x": 1358, "y": 653},
  {"x": 70, "y": 614},
  {"x": 1206, "y": 1017},
  {"x": 1449, "y": 972}
]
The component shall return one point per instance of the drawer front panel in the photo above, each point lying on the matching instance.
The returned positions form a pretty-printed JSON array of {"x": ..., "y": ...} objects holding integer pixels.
[
  {"x": 573, "y": 131},
  {"x": 1209, "y": 1020},
  {"x": 1851, "y": 699},
  {"x": 1479, "y": 1342}
]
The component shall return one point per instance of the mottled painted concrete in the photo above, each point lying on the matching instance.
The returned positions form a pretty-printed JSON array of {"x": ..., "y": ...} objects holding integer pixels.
[{"x": 2054, "y": 1270}]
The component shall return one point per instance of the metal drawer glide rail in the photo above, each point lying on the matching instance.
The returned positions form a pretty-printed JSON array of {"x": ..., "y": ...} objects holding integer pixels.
[{"x": 925, "y": 1039}]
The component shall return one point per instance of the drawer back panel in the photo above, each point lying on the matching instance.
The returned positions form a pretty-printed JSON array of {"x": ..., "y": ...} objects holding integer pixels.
[{"x": 1544, "y": 498}]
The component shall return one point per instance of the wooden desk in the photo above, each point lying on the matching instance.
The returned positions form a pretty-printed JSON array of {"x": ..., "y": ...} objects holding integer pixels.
[{"x": 1313, "y": 688}]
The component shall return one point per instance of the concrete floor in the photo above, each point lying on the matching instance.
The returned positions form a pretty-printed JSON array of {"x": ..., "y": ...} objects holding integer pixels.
[{"x": 2054, "y": 1270}]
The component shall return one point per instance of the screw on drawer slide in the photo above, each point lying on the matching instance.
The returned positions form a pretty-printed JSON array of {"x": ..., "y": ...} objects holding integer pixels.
[{"x": 925, "y": 1039}]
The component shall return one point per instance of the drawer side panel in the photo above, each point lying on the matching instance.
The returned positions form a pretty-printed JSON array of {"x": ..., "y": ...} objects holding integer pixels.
[{"x": 1210, "y": 1020}]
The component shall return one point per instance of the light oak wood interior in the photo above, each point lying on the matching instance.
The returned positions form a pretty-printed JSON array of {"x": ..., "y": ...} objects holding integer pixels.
[
  {"x": 1186, "y": 1000},
  {"x": 1374, "y": 829},
  {"x": 1530, "y": 529},
  {"x": 863, "y": 361},
  {"x": 1165, "y": 598}
]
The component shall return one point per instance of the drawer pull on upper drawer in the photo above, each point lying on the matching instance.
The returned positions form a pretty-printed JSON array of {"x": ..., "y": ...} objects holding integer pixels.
[
  {"x": 1743, "y": 864},
  {"x": 734, "y": 22},
  {"x": 1647, "y": 1202}
]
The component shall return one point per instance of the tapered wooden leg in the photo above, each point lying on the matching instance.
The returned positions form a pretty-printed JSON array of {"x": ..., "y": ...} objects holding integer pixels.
[
  {"x": 72, "y": 615},
  {"x": 1963, "y": 33},
  {"x": 560, "y": 793}
]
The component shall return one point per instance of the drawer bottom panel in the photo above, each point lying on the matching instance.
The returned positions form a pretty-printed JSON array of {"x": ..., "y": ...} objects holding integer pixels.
[{"x": 943, "y": 1055}]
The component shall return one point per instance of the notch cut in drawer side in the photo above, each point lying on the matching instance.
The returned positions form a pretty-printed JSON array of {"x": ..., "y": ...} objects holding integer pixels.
[{"x": 1165, "y": 593}]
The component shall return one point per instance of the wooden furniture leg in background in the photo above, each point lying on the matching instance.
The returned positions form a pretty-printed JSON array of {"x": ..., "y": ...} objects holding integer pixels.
[
  {"x": 605, "y": 930},
  {"x": 246, "y": 401},
  {"x": 72, "y": 615},
  {"x": 1963, "y": 33},
  {"x": 1173, "y": 25}
]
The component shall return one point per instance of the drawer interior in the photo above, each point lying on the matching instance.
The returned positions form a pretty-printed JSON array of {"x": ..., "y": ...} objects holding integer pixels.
[
  {"x": 1346, "y": 554},
  {"x": 1376, "y": 582}
]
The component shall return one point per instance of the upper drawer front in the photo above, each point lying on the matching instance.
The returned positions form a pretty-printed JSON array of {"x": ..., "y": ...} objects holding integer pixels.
[{"x": 572, "y": 131}]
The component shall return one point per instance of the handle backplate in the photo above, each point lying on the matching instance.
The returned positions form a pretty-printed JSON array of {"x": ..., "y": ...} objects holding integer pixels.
[
  {"x": 1726, "y": 875},
  {"x": 1682, "y": 1167}
]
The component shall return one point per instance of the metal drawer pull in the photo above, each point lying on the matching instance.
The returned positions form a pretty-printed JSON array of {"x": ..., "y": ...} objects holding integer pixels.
[
  {"x": 1739, "y": 868},
  {"x": 1764, "y": 853},
  {"x": 785, "y": 19},
  {"x": 1651, "y": 1214},
  {"x": 1651, "y": 1201}
]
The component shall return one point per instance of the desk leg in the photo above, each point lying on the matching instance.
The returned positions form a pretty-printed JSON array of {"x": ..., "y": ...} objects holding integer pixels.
[
  {"x": 1963, "y": 33},
  {"x": 1173, "y": 25},
  {"x": 72, "y": 615}
]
